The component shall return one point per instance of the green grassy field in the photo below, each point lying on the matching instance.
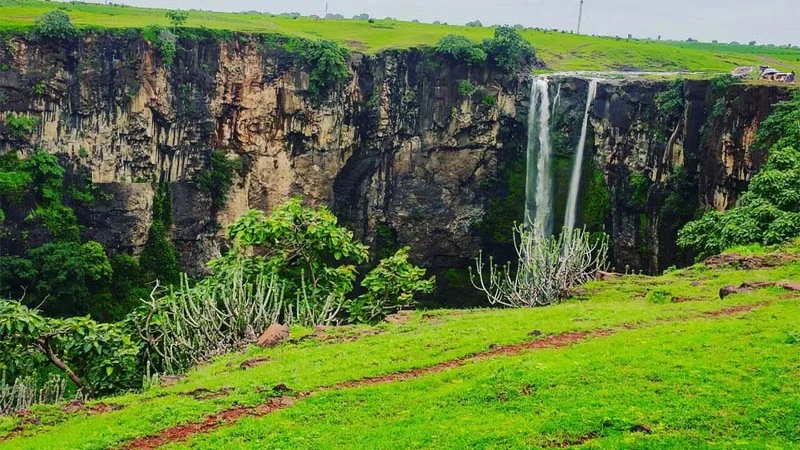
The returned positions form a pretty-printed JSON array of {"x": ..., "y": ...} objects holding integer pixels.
[
  {"x": 561, "y": 52},
  {"x": 664, "y": 363}
]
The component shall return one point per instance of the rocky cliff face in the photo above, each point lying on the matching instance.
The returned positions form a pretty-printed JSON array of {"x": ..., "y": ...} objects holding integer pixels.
[
  {"x": 410, "y": 150},
  {"x": 668, "y": 151},
  {"x": 396, "y": 148}
]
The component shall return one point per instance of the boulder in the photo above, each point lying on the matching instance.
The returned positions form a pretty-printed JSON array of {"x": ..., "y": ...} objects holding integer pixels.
[{"x": 274, "y": 335}]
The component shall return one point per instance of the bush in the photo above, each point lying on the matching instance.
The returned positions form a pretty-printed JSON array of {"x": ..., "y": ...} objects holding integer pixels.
[
  {"x": 769, "y": 213},
  {"x": 489, "y": 100},
  {"x": 465, "y": 88},
  {"x": 325, "y": 60},
  {"x": 305, "y": 249},
  {"x": 670, "y": 103},
  {"x": 164, "y": 41},
  {"x": 546, "y": 269},
  {"x": 55, "y": 25},
  {"x": 193, "y": 323},
  {"x": 218, "y": 179},
  {"x": 19, "y": 126},
  {"x": 390, "y": 286},
  {"x": 460, "y": 48},
  {"x": 508, "y": 50},
  {"x": 97, "y": 358}
]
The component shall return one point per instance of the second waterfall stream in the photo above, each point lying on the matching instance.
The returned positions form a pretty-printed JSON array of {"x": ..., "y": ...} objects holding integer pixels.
[
  {"x": 577, "y": 164},
  {"x": 539, "y": 173}
]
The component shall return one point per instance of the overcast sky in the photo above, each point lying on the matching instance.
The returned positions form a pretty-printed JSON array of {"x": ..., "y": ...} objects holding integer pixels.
[{"x": 766, "y": 21}]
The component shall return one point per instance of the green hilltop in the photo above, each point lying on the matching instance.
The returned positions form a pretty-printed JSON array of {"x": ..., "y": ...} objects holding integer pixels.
[{"x": 560, "y": 51}]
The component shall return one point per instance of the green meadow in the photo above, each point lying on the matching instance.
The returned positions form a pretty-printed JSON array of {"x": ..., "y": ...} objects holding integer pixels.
[
  {"x": 666, "y": 363},
  {"x": 560, "y": 51}
]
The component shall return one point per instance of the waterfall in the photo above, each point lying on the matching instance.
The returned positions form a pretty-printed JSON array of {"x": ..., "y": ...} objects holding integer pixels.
[
  {"x": 577, "y": 165},
  {"x": 539, "y": 185}
]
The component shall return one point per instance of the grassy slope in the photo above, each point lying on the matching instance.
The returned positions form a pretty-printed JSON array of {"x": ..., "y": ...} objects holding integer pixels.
[
  {"x": 691, "y": 381},
  {"x": 559, "y": 51}
]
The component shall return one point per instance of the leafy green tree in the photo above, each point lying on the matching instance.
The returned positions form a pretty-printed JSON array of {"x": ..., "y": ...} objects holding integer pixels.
[
  {"x": 97, "y": 358},
  {"x": 461, "y": 48},
  {"x": 55, "y": 25},
  {"x": 69, "y": 275},
  {"x": 508, "y": 50},
  {"x": 159, "y": 260},
  {"x": 389, "y": 287},
  {"x": 177, "y": 18},
  {"x": 304, "y": 247},
  {"x": 18, "y": 126}
]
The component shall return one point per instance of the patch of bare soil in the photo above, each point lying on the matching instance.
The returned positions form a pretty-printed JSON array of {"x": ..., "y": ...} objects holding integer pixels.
[
  {"x": 752, "y": 286},
  {"x": 252, "y": 362},
  {"x": 569, "y": 442},
  {"x": 208, "y": 394},
  {"x": 182, "y": 432},
  {"x": 752, "y": 262}
]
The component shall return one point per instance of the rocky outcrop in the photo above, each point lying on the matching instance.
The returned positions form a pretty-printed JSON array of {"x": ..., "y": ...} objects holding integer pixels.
[{"x": 411, "y": 149}]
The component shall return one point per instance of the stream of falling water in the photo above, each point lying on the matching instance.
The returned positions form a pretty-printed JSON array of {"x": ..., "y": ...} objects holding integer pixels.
[
  {"x": 538, "y": 180},
  {"x": 577, "y": 165}
]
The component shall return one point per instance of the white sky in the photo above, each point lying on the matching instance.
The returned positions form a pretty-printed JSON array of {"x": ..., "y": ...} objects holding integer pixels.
[{"x": 770, "y": 21}]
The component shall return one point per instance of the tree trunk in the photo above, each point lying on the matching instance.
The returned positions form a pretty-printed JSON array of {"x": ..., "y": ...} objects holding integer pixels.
[{"x": 44, "y": 347}]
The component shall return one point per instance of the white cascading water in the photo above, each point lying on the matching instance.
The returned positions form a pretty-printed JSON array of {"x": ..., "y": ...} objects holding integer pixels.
[
  {"x": 577, "y": 165},
  {"x": 538, "y": 188}
]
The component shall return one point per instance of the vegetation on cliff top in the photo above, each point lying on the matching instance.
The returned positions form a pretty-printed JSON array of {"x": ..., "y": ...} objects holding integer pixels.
[{"x": 560, "y": 51}]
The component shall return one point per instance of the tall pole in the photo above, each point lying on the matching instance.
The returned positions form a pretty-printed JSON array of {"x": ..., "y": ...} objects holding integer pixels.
[{"x": 580, "y": 16}]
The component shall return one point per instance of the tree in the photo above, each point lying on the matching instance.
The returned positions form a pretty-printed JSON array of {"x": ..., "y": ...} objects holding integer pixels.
[
  {"x": 69, "y": 274},
  {"x": 461, "y": 49},
  {"x": 177, "y": 18},
  {"x": 768, "y": 213},
  {"x": 55, "y": 25},
  {"x": 508, "y": 50},
  {"x": 751, "y": 43},
  {"x": 312, "y": 256},
  {"x": 97, "y": 358}
]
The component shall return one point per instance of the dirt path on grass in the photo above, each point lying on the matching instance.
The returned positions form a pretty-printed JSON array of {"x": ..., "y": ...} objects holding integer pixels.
[{"x": 183, "y": 432}]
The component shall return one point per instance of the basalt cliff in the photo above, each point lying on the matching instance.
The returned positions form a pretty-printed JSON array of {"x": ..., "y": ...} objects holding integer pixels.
[{"x": 412, "y": 149}]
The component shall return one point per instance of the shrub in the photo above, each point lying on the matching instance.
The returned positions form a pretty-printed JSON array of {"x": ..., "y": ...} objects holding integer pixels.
[
  {"x": 59, "y": 220},
  {"x": 769, "y": 213},
  {"x": 390, "y": 286},
  {"x": 55, "y": 25},
  {"x": 325, "y": 60},
  {"x": 193, "y": 323},
  {"x": 461, "y": 49},
  {"x": 19, "y": 126},
  {"x": 97, "y": 358},
  {"x": 508, "y": 50},
  {"x": 546, "y": 269},
  {"x": 670, "y": 102},
  {"x": 164, "y": 41},
  {"x": 303, "y": 248},
  {"x": 465, "y": 88},
  {"x": 489, "y": 100},
  {"x": 218, "y": 179}
]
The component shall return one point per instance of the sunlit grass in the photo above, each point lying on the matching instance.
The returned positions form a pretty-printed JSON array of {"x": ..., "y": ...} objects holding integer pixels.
[{"x": 560, "y": 51}]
